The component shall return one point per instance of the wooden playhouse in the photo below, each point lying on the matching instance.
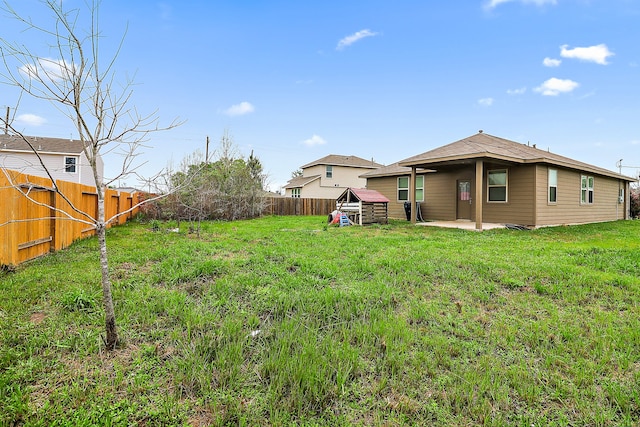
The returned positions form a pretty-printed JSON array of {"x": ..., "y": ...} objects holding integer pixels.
[{"x": 363, "y": 206}]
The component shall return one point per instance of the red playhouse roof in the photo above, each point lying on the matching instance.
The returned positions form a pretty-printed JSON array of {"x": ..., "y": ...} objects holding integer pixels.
[{"x": 364, "y": 195}]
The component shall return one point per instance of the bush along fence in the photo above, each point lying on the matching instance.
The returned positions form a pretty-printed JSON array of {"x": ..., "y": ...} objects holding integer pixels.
[
  {"x": 298, "y": 206},
  {"x": 35, "y": 220}
]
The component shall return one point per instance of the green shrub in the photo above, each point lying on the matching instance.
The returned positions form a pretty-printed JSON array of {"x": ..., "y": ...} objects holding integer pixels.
[{"x": 78, "y": 300}]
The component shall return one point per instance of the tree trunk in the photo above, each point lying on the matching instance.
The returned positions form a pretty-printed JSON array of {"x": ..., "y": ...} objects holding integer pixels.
[{"x": 109, "y": 312}]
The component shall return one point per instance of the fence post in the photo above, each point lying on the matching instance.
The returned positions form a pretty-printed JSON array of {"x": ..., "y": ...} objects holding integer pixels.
[{"x": 52, "y": 221}]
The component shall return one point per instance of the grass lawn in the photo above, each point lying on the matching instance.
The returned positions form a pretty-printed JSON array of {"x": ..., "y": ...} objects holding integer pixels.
[{"x": 286, "y": 321}]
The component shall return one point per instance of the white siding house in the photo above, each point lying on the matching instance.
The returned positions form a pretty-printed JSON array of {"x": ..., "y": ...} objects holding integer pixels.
[{"x": 63, "y": 158}]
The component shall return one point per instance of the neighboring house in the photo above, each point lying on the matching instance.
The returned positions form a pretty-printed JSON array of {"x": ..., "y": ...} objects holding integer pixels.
[
  {"x": 484, "y": 178},
  {"x": 328, "y": 177},
  {"x": 64, "y": 158}
]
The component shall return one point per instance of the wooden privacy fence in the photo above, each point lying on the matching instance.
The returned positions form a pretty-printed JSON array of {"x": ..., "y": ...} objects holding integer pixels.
[
  {"x": 298, "y": 206},
  {"x": 31, "y": 223}
]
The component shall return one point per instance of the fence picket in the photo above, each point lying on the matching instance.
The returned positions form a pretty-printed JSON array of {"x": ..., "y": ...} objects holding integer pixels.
[
  {"x": 298, "y": 206},
  {"x": 31, "y": 228}
]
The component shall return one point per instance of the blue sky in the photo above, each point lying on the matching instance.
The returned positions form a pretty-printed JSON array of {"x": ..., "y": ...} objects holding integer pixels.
[{"x": 296, "y": 80}]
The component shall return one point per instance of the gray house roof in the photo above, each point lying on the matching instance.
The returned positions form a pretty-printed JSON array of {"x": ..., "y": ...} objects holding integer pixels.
[
  {"x": 338, "y": 160},
  {"x": 489, "y": 147},
  {"x": 41, "y": 144},
  {"x": 301, "y": 181}
]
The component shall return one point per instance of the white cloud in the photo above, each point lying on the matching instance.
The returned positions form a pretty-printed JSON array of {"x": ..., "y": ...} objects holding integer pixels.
[
  {"x": 518, "y": 91},
  {"x": 491, "y": 4},
  {"x": 48, "y": 69},
  {"x": 240, "y": 109},
  {"x": 597, "y": 54},
  {"x": 30, "y": 120},
  {"x": 635, "y": 142},
  {"x": 349, "y": 40},
  {"x": 554, "y": 86},
  {"x": 314, "y": 140},
  {"x": 486, "y": 102},
  {"x": 550, "y": 62},
  {"x": 494, "y": 3}
]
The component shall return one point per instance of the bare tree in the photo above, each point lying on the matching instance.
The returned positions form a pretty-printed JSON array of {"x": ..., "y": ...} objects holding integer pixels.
[{"x": 81, "y": 83}]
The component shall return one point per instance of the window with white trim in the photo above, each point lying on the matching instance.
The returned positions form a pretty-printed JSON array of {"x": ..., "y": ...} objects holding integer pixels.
[
  {"x": 403, "y": 188},
  {"x": 420, "y": 188},
  {"x": 497, "y": 185},
  {"x": 586, "y": 189},
  {"x": 295, "y": 192},
  {"x": 329, "y": 171},
  {"x": 70, "y": 164},
  {"x": 553, "y": 185}
]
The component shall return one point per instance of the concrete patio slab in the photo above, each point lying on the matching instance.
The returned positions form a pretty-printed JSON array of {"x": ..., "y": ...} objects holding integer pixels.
[{"x": 461, "y": 224}]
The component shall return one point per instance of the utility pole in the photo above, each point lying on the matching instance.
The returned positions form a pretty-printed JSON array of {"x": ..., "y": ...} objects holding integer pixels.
[
  {"x": 206, "y": 159},
  {"x": 6, "y": 123},
  {"x": 620, "y": 166}
]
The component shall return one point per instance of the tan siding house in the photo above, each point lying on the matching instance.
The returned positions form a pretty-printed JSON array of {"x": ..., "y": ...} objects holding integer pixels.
[
  {"x": 606, "y": 195},
  {"x": 488, "y": 179},
  {"x": 329, "y": 177}
]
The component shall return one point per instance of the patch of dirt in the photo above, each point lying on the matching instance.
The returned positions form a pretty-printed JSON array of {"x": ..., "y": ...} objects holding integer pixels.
[
  {"x": 37, "y": 317},
  {"x": 123, "y": 270},
  {"x": 202, "y": 418}
]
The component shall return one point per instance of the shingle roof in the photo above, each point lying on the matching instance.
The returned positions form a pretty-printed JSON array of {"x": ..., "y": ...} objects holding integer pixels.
[
  {"x": 392, "y": 170},
  {"x": 482, "y": 145},
  {"x": 41, "y": 144},
  {"x": 301, "y": 181},
  {"x": 338, "y": 160}
]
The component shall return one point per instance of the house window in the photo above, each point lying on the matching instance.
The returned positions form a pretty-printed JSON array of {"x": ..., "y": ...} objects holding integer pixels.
[
  {"x": 553, "y": 185},
  {"x": 403, "y": 188},
  {"x": 295, "y": 192},
  {"x": 70, "y": 164},
  {"x": 497, "y": 185},
  {"x": 586, "y": 189},
  {"x": 329, "y": 171},
  {"x": 420, "y": 188}
]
